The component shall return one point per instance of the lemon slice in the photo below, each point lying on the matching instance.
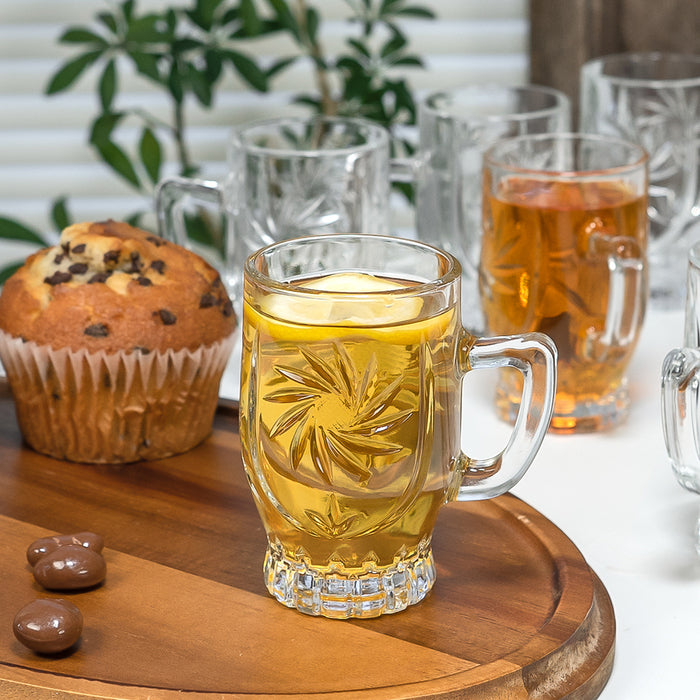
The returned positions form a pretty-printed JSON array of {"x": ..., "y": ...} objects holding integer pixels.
[
  {"x": 338, "y": 310},
  {"x": 305, "y": 317}
]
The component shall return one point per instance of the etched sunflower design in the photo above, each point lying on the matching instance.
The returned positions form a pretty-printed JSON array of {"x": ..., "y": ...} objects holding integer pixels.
[{"x": 339, "y": 417}]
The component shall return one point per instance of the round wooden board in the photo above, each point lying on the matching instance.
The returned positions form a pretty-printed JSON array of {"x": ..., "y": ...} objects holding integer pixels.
[{"x": 516, "y": 611}]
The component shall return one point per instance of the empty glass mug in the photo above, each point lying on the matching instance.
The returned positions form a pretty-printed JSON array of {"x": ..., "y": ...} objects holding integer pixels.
[
  {"x": 286, "y": 178},
  {"x": 350, "y": 413},
  {"x": 455, "y": 127},
  {"x": 564, "y": 253},
  {"x": 653, "y": 99}
]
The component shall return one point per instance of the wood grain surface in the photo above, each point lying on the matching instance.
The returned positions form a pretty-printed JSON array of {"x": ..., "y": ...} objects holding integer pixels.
[{"x": 516, "y": 612}]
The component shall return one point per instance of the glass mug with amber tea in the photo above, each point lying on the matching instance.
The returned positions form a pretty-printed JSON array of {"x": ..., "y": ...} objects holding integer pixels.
[
  {"x": 350, "y": 413},
  {"x": 564, "y": 253}
]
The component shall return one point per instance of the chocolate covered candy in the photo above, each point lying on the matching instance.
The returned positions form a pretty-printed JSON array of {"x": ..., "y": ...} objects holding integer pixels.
[{"x": 48, "y": 626}]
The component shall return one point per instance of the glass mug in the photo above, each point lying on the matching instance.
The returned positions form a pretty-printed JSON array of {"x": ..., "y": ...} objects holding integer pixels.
[
  {"x": 350, "y": 413},
  {"x": 564, "y": 242},
  {"x": 653, "y": 99},
  {"x": 286, "y": 178},
  {"x": 455, "y": 127}
]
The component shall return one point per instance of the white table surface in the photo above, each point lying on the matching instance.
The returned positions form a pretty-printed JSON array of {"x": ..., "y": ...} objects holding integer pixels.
[{"x": 614, "y": 495}]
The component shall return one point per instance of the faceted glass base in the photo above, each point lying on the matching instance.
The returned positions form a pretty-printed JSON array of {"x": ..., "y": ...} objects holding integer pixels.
[
  {"x": 338, "y": 595},
  {"x": 583, "y": 416}
]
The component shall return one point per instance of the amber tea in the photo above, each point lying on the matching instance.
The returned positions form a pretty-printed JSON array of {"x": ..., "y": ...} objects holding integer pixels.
[
  {"x": 350, "y": 425},
  {"x": 557, "y": 255}
]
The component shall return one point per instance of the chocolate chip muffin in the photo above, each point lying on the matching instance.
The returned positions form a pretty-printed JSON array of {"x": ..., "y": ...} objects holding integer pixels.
[{"x": 114, "y": 342}]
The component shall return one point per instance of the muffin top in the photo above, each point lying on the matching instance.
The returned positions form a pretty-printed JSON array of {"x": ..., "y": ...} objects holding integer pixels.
[{"x": 112, "y": 287}]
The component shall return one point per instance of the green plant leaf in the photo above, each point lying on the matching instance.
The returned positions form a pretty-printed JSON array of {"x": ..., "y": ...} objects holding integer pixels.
[
  {"x": 286, "y": 18},
  {"x": 108, "y": 85},
  {"x": 278, "y": 66},
  {"x": 14, "y": 230},
  {"x": 360, "y": 47},
  {"x": 250, "y": 21},
  {"x": 79, "y": 35},
  {"x": 118, "y": 161},
  {"x": 200, "y": 85},
  {"x": 416, "y": 11},
  {"x": 396, "y": 43},
  {"x": 313, "y": 22},
  {"x": 204, "y": 13},
  {"x": 59, "y": 214},
  {"x": 150, "y": 152},
  {"x": 70, "y": 71},
  {"x": 108, "y": 21},
  {"x": 128, "y": 9},
  {"x": 151, "y": 28},
  {"x": 175, "y": 86},
  {"x": 103, "y": 126},
  {"x": 248, "y": 70},
  {"x": 407, "y": 61},
  {"x": 146, "y": 64}
]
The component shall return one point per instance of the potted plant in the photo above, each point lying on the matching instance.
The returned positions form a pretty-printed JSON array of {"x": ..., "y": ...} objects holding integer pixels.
[{"x": 185, "y": 51}]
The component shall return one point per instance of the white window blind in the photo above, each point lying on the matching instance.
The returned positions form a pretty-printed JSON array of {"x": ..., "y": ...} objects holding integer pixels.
[{"x": 43, "y": 140}]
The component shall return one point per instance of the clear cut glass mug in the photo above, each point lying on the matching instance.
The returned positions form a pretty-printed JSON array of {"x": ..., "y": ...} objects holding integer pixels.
[
  {"x": 653, "y": 99},
  {"x": 350, "y": 413},
  {"x": 285, "y": 178}
]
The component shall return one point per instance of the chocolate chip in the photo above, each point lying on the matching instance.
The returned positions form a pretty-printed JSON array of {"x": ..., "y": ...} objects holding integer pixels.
[
  {"x": 136, "y": 263},
  {"x": 167, "y": 317},
  {"x": 158, "y": 266},
  {"x": 80, "y": 248},
  {"x": 100, "y": 277},
  {"x": 66, "y": 247},
  {"x": 140, "y": 349},
  {"x": 57, "y": 260},
  {"x": 206, "y": 301},
  {"x": 111, "y": 256},
  {"x": 97, "y": 330},
  {"x": 156, "y": 241},
  {"x": 78, "y": 268},
  {"x": 227, "y": 309},
  {"x": 144, "y": 281},
  {"x": 58, "y": 277}
]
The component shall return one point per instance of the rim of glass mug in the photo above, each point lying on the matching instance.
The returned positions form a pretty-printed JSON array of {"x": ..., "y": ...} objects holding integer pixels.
[
  {"x": 447, "y": 104},
  {"x": 685, "y": 69},
  {"x": 503, "y": 155},
  {"x": 374, "y": 136},
  {"x": 449, "y": 266}
]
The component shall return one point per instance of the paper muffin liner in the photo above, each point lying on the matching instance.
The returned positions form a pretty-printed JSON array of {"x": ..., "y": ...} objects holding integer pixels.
[{"x": 113, "y": 407}]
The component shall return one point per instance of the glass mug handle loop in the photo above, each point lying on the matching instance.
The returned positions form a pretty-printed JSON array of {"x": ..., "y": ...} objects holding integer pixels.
[
  {"x": 627, "y": 295},
  {"x": 680, "y": 394},
  {"x": 534, "y": 355},
  {"x": 169, "y": 196}
]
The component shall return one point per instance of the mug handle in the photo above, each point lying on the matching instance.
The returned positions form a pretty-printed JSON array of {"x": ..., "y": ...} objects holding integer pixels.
[
  {"x": 679, "y": 414},
  {"x": 168, "y": 199},
  {"x": 627, "y": 295},
  {"x": 534, "y": 355}
]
